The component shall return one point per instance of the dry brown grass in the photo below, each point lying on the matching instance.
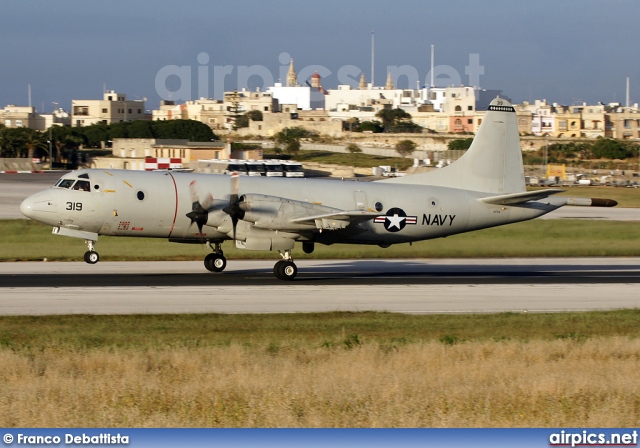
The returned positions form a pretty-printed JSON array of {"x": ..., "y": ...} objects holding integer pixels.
[{"x": 563, "y": 382}]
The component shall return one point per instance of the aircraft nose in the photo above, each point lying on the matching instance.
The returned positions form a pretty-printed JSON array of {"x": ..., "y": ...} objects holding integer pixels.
[{"x": 39, "y": 206}]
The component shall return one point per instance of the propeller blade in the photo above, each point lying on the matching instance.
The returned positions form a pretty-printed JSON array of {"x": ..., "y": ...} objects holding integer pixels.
[
  {"x": 235, "y": 183},
  {"x": 233, "y": 209},
  {"x": 199, "y": 209},
  {"x": 207, "y": 202}
]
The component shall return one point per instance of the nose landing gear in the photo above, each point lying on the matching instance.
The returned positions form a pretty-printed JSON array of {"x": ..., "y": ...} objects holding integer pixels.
[{"x": 91, "y": 256}]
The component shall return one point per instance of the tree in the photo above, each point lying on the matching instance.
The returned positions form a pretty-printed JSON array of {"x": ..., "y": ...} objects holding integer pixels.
[
  {"x": 370, "y": 126},
  {"x": 606, "y": 148},
  {"x": 290, "y": 138},
  {"x": 234, "y": 111},
  {"x": 34, "y": 140},
  {"x": 405, "y": 147},
  {"x": 192, "y": 130},
  {"x": 254, "y": 115},
  {"x": 459, "y": 143},
  {"x": 242, "y": 121},
  {"x": 141, "y": 129},
  {"x": 95, "y": 134},
  {"x": 393, "y": 118},
  {"x": 353, "y": 148}
]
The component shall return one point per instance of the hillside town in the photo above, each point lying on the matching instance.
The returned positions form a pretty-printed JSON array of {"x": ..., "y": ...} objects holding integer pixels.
[{"x": 431, "y": 115}]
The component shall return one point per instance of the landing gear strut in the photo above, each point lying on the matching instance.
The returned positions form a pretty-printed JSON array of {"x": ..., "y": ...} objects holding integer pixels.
[
  {"x": 285, "y": 269},
  {"x": 91, "y": 256},
  {"x": 215, "y": 262}
]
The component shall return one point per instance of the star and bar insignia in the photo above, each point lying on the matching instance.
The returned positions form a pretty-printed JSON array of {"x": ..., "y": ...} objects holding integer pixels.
[{"x": 395, "y": 220}]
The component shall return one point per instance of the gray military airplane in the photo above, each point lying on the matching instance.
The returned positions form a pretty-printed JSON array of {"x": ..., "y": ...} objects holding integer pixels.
[{"x": 484, "y": 188}]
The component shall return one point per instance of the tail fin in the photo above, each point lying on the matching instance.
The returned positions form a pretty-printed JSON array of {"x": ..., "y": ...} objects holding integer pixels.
[{"x": 493, "y": 163}]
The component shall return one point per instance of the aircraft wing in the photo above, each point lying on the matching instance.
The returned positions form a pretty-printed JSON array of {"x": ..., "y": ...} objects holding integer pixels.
[
  {"x": 337, "y": 220},
  {"x": 521, "y": 198}
]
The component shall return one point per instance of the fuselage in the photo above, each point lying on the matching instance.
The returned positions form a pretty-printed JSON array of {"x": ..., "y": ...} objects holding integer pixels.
[{"x": 155, "y": 204}]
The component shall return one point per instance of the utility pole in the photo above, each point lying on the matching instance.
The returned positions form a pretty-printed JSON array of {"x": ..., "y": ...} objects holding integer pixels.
[
  {"x": 546, "y": 149},
  {"x": 372, "y": 56}
]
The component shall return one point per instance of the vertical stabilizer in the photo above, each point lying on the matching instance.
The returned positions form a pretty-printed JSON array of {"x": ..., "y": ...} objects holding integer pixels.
[{"x": 493, "y": 163}]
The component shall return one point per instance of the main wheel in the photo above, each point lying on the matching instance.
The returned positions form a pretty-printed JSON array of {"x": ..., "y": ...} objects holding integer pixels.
[
  {"x": 277, "y": 268},
  {"x": 91, "y": 257},
  {"x": 215, "y": 262},
  {"x": 285, "y": 270}
]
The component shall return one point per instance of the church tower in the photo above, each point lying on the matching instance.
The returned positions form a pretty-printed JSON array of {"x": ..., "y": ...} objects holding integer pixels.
[
  {"x": 292, "y": 78},
  {"x": 389, "y": 85},
  {"x": 315, "y": 81},
  {"x": 363, "y": 82}
]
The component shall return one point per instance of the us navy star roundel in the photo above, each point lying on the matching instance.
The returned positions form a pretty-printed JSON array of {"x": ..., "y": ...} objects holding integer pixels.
[{"x": 395, "y": 220}]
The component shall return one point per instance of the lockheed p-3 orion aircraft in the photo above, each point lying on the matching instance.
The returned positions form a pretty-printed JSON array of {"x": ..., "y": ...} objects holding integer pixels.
[{"x": 484, "y": 188}]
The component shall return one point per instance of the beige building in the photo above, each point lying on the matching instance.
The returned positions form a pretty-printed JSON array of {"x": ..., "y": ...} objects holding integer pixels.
[
  {"x": 524, "y": 114},
  {"x": 624, "y": 123},
  {"x": 112, "y": 108},
  {"x": 567, "y": 123},
  {"x": 26, "y": 117},
  {"x": 217, "y": 114},
  {"x": 594, "y": 121},
  {"x": 19, "y": 116},
  {"x": 314, "y": 120},
  {"x": 130, "y": 153}
]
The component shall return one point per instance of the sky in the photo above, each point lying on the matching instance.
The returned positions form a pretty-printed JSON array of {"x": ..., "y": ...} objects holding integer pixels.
[{"x": 565, "y": 51}]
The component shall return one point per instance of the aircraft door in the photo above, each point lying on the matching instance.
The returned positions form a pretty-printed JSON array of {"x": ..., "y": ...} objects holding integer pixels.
[{"x": 360, "y": 199}]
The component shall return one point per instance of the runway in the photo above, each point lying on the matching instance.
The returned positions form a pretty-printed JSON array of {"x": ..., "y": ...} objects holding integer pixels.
[{"x": 405, "y": 286}]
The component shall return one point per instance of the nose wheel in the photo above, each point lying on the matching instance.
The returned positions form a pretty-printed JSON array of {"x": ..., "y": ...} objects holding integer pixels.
[
  {"x": 215, "y": 262},
  {"x": 91, "y": 256}
]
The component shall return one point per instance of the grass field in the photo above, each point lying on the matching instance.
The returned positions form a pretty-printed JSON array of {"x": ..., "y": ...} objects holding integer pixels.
[
  {"x": 22, "y": 240},
  {"x": 321, "y": 370}
]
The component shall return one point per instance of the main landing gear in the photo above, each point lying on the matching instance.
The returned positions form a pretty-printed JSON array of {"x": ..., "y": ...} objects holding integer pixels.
[
  {"x": 215, "y": 262},
  {"x": 285, "y": 269},
  {"x": 91, "y": 256}
]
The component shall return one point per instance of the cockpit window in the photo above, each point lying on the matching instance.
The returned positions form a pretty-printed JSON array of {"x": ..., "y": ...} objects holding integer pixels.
[
  {"x": 65, "y": 183},
  {"x": 82, "y": 185},
  {"x": 83, "y": 176}
]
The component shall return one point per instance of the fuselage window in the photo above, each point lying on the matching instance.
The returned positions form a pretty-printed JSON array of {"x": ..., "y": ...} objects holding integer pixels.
[
  {"x": 82, "y": 185},
  {"x": 140, "y": 195},
  {"x": 65, "y": 183}
]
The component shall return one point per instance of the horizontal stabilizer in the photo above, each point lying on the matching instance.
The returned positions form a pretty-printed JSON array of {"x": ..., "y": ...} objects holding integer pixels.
[{"x": 521, "y": 198}]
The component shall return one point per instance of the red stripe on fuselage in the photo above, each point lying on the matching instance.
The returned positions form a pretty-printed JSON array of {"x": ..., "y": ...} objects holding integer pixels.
[{"x": 175, "y": 214}]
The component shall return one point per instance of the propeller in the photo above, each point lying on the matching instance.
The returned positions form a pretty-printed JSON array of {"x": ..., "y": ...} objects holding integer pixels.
[
  {"x": 199, "y": 213},
  {"x": 233, "y": 209}
]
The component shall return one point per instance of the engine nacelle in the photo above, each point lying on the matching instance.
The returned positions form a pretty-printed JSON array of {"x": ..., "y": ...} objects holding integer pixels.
[{"x": 277, "y": 213}]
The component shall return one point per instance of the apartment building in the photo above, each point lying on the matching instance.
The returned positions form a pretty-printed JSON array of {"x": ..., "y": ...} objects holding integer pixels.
[
  {"x": 624, "y": 123},
  {"x": 112, "y": 108},
  {"x": 12, "y": 116},
  {"x": 19, "y": 116}
]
